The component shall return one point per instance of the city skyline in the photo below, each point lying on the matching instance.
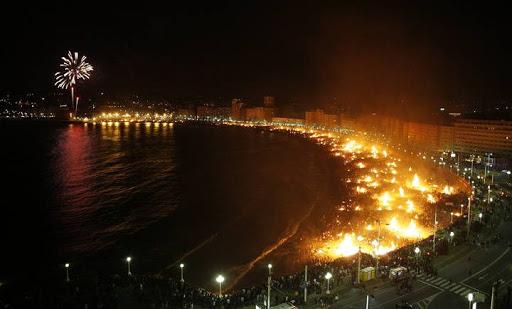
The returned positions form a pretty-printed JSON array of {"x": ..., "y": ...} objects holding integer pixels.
[{"x": 350, "y": 54}]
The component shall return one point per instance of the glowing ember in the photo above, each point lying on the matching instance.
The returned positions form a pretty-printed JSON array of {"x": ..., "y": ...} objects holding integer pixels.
[
  {"x": 415, "y": 181},
  {"x": 361, "y": 189},
  {"x": 351, "y": 146},
  {"x": 412, "y": 230},
  {"x": 393, "y": 225},
  {"x": 346, "y": 247},
  {"x": 410, "y": 206},
  {"x": 387, "y": 209},
  {"x": 385, "y": 198},
  {"x": 448, "y": 190}
]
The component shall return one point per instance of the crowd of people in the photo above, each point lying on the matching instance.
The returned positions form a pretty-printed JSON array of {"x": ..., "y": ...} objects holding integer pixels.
[
  {"x": 124, "y": 291},
  {"x": 150, "y": 291}
]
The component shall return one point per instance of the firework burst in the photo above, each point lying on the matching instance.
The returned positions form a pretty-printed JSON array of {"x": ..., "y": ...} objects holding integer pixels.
[{"x": 74, "y": 68}]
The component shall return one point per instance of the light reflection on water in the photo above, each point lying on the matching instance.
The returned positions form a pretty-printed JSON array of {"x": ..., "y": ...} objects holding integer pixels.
[
  {"x": 219, "y": 199},
  {"x": 112, "y": 181}
]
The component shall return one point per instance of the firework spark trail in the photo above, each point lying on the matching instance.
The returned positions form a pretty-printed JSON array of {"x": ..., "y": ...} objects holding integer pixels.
[{"x": 74, "y": 68}]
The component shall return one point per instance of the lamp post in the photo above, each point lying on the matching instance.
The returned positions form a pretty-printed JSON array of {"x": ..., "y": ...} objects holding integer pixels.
[
  {"x": 328, "y": 276},
  {"x": 128, "y": 261},
  {"x": 181, "y": 272},
  {"x": 488, "y": 195},
  {"x": 470, "y": 299},
  {"x": 67, "y": 271},
  {"x": 451, "y": 217},
  {"x": 451, "y": 236},
  {"x": 417, "y": 251},
  {"x": 377, "y": 252},
  {"x": 486, "y": 165},
  {"x": 220, "y": 279},
  {"x": 480, "y": 215},
  {"x": 268, "y": 284},
  {"x": 458, "y": 165},
  {"x": 359, "y": 265},
  {"x": 306, "y": 284},
  {"x": 435, "y": 231},
  {"x": 359, "y": 239},
  {"x": 493, "y": 292},
  {"x": 472, "y": 160},
  {"x": 469, "y": 216}
]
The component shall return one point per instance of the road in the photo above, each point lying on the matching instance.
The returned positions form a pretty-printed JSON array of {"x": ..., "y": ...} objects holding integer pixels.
[{"x": 467, "y": 269}]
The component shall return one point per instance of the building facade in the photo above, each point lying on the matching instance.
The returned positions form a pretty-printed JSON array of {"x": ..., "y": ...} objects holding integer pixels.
[
  {"x": 483, "y": 136},
  {"x": 319, "y": 118},
  {"x": 288, "y": 121},
  {"x": 259, "y": 113}
]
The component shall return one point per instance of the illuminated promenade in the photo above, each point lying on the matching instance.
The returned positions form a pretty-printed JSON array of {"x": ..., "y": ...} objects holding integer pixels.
[{"x": 398, "y": 201}]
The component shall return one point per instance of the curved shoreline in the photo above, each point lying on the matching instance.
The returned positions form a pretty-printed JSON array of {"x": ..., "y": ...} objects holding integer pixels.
[
  {"x": 304, "y": 131},
  {"x": 245, "y": 268},
  {"x": 292, "y": 236},
  {"x": 280, "y": 127}
]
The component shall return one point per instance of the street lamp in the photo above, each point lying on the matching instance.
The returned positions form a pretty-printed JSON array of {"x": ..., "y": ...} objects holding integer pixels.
[
  {"x": 451, "y": 217},
  {"x": 469, "y": 216},
  {"x": 470, "y": 299},
  {"x": 377, "y": 247},
  {"x": 128, "y": 261},
  {"x": 435, "y": 231},
  {"x": 417, "y": 251},
  {"x": 488, "y": 195},
  {"x": 67, "y": 271},
  {"x": 359, "y": 239},
  {"x": 480, "y": 215},
  {"x": 305, "y": 283},
  {"x": 220, "y": 279},
  {"x": 472, "y": 163},
  {"x": 328, "y": 276},
  {"x": 181, "y": 272},
  {"x": 268, "y": 284}
]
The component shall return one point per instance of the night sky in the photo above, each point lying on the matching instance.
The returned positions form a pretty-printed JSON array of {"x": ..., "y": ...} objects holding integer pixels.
[{"x": 315, "y": 52}]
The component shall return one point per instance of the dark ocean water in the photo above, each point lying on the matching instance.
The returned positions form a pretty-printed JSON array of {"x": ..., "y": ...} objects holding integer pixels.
[{"x": 219, "y": 199}]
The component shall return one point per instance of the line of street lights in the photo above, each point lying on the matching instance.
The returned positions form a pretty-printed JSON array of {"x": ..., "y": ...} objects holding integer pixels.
[
  {"x": 328, "y": 276},
  {"x": 219, "y": 279}
]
